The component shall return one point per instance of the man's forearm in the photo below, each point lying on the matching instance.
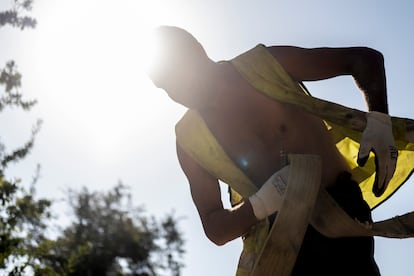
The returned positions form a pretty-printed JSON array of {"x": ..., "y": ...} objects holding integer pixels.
[
  {"x": 376, "y": 99},
  {"x": 225, "y": 225}
]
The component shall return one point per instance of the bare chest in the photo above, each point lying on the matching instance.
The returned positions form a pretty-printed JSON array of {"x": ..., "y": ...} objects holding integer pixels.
[{"x": 255, "y": 133}]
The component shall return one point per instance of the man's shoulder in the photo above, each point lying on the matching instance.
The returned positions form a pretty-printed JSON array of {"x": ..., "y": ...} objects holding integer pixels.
[
  {"x": 252, "y": 51},
  {"x": 190, "y": 128}
]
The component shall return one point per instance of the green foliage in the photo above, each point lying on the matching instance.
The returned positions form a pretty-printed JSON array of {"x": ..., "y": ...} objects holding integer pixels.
[
  {"x": 10, "y": 78},
  {"x": 14, "y": 18},
  {"x": 111, "y": 236},
  {"x": 22, "y": 216},
  {"x": 22, "y": 225}
]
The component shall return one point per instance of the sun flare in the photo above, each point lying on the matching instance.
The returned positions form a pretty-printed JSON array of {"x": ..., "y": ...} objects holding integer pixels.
[{"x": 90, "y": 61}]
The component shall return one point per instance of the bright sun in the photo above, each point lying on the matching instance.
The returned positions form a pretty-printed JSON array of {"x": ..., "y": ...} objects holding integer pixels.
[{"x": 90, "y": 58}]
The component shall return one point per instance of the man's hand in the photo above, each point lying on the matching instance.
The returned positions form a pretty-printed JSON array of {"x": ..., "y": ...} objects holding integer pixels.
[
  {"x": 377, "y": 137},
  {"x": 269, "y": 198}
]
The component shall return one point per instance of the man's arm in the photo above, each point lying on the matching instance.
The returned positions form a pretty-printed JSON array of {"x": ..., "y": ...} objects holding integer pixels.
[
  {"x": 366, "y": 65},
  {"x": 220, "y": 225},
  {"x": 367, "y": 68}
]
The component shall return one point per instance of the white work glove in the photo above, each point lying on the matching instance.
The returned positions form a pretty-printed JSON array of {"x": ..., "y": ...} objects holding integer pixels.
[
  {"x": 377, "y": 137},
  {"x": 269, "y": 197}
]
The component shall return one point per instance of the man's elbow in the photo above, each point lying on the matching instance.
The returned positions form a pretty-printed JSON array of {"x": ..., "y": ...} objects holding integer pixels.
[
  {"x": 367, "y": 58},
  {"x": 217, "y": 238}
]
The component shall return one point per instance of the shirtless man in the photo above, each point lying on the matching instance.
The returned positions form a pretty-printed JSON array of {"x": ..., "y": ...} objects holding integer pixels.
[{"x": 249, "y": 124}]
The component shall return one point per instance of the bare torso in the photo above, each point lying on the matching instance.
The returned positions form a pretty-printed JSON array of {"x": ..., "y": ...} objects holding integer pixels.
[{"x": 254, "y": 129}]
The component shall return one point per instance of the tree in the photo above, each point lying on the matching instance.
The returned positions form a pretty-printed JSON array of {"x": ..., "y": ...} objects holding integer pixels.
[
  {"x": 22, "y": 216},
  {"x": 9, "y": 77},
  {"x": 14, "y": 17},
  {"x": 110, "y": 236}
]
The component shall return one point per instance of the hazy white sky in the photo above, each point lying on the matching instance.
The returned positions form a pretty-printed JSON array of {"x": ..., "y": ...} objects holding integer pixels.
[{"x": 104, "y": 121}]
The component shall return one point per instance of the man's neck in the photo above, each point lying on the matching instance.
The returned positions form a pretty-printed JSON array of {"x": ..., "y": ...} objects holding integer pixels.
[{"x": 215, "y": 82}]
